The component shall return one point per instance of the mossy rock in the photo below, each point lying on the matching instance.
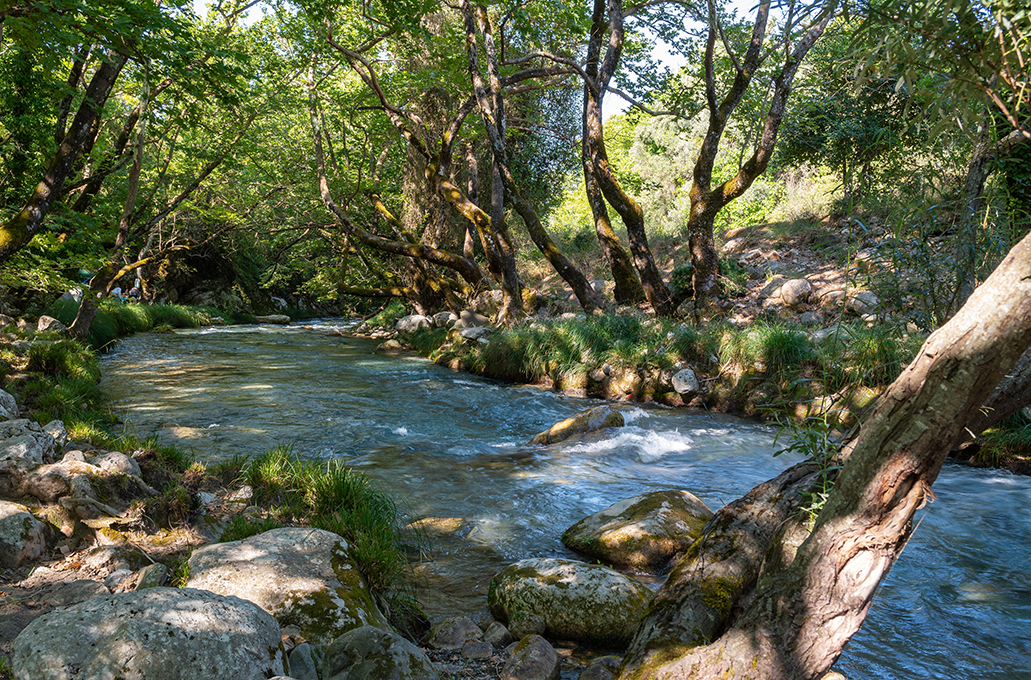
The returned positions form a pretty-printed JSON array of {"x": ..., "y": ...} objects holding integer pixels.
[
  {"x": 585, "y": 603},
  {"x": 643, "y": 532},
  {"x": 301, "y": 576},
  {"x": 590, "y": 420}
]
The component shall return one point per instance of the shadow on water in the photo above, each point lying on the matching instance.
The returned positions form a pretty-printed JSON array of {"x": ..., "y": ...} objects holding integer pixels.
[{"x": 451, "y": 448}]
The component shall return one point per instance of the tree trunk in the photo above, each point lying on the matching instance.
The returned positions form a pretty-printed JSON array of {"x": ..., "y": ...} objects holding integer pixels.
[
  {"x": 706, "y": 200},
  {"x": 808, "y": 604},
  {"x": 493, "y": 121},
  {"x": 628, "y": 288},
  {"x": 20, "y": 229}
]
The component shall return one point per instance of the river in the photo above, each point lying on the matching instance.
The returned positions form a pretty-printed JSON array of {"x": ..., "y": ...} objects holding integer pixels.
[{"x": 956, "y": 606}]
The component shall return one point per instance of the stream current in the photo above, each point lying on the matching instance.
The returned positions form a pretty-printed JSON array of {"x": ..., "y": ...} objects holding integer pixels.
[{"x": 956, "y": 606}]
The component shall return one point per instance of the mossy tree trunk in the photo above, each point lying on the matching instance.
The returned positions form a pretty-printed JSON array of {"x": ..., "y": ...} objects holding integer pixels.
[
  {"x": 807, "y": 603},
  {"x": 490, "y": 101}
]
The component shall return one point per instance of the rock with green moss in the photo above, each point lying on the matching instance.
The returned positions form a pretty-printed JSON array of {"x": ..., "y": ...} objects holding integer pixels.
[
  {"x": 152, "y": 634},
  {"x": 643, "y": 532},
  {"x": 301, "y": 576},
  {"x": 590, "y": 420},
  {"x": 22, "y": 536},
  {"x": 532, "y": 659},
  {"x": 582, "y": 602},
  {"x": 376, "y": 654}
]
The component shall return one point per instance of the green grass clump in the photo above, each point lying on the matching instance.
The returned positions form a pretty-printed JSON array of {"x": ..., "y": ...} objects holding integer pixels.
[
  {"x": 339, "y": 499},
  {"x": 243, "y": 526},
  {"x": 1010, "y": 438},
  {"x": 117, "y": 319},
  {"x": 389, "y": 315},
  {"x": 778, "y": 350}
]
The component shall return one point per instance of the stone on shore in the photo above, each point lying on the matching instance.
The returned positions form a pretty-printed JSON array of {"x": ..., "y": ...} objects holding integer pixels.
[
  {"x": 532, "y": 659},
  {"x": 22, "y": 536},
  {"x": 581, "y": 602},
  {"x": 452, "y": 633},
  {"x": 643, "y": 532},
  {"x": 412, "y": 323},
  {"x": 23, "y": 446},
  {"x": 300, "y": 576},
  {"x": 375, "y": 654},
  {"x": 152, "y": 634}
]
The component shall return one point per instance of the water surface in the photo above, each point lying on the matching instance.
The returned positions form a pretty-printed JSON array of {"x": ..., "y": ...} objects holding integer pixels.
[{"x": 957, "y": 605}]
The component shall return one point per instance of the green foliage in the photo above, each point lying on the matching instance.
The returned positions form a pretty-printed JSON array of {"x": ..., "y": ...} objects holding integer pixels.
[
  {"x": 874, "y": 356},
  {"x": 228, "y": 471},
  {"x": 562, "y": 349},
  {"x": 63, "y": 359},
  {"x": 117, "y": 319},
  {"x": 394, "y": 310},
  {"x": 1010, "y": 438},
  {"x": 681, "y": 281},
  {"x": 813, "y": 437}
]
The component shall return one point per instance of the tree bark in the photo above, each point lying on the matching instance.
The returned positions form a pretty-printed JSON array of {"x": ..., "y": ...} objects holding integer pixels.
[
  {"x": 596, "y": 163},
  {"x": 808, "y": 605},
  {"x": 20, "y": 229}
]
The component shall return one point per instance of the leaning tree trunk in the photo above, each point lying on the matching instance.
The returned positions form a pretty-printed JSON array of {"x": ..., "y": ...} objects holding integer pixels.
[{"x": 808, "y": 604}]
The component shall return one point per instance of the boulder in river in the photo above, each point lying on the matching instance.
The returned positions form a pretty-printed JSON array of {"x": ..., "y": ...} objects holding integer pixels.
[
  {"x": 152, "y": 634},
  {"x": 300, "y": 576},
  {"x": 277, "y": 319},
  {"x": 643, "y": 532},
  {"x": 582, "y": 602},
  {"x": 586, "y": 421}
]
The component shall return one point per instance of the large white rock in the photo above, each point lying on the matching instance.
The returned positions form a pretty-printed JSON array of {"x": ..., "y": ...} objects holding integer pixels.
[
  {"x": 114, "y": 461},
  {"x": 643, "y": 532},
  {"x": 369, "y": 652},
  {"x": 23, "y": 446},
  {"x": 301, "y": 576},
  {"x": 49, "y": 323},
  {"x": 863, "y": 302},
  {"x": 686, "y": 382},
  {"x": 581, "y": 602},
  {"x": 152, "y": 634},
  {"x": 8, "y": 406},
  {"x": 22, "y": 536},
  {"x": 471, "y": 319},
  {"x": 51, "y": 482},
  {"x": 412, "y": 323}
]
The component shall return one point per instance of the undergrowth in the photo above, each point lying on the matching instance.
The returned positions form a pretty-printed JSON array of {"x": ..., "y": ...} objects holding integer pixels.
[{"x": 117, "y": 319}]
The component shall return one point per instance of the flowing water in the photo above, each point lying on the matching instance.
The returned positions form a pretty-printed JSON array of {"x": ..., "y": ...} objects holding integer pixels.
[{"x": 452, "y": 447}]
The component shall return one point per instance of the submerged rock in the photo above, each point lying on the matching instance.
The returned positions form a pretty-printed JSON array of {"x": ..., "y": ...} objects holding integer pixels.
[
  {"x": 152, "y": 634},
  {"x": 300, "y": 576},
  {"x": 643, "y": 532},
  {"x": 586, "y": 421},
  {"x": 582, "y": 602},
  {"x": 278, "y": 319}
]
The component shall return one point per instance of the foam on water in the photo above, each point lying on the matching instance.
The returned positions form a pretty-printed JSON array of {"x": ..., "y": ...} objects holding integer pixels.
[{"x": 648, "y": 444}]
